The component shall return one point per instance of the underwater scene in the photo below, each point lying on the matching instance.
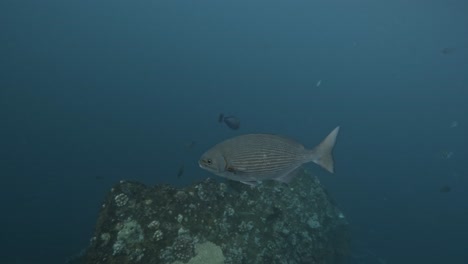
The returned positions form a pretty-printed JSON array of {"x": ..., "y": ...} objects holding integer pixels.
[{"x": 234, "y": 132}]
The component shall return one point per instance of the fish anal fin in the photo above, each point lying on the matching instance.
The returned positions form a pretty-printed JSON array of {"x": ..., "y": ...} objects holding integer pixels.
[
  {"x": 251, "y": 183},
  {"x": 286, "y": 178}
]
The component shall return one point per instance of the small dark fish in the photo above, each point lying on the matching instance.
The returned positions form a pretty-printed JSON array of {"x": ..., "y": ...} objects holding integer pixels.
[
  {"x": 181, "y": 171},
  {"x": 445, "y": 189},
  {"x": 448, "y": 50},
  {"x": 232, "y": 122},
  {"x": 221, "y": 118}
]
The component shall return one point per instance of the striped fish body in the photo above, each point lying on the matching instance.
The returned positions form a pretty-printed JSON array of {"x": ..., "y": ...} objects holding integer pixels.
[{"x": 257, "y": 157}]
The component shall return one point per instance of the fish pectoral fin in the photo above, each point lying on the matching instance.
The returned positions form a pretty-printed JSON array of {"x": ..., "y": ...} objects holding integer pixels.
[{"x": 235, "y": 170}]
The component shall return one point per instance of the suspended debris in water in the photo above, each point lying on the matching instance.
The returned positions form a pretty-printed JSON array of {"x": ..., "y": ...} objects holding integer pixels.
[
  {"x": 454, "y": 124},
  {"x": 448, "y": 50},
  {"x": 231, "y": 121},
  {"x": 447, "y": 154},
  {"x": 191, "y": 144},
  {"x": 445, "y": 189},
  {"x": 456, "y": 49},
  {"x": 318, "y": 83}
]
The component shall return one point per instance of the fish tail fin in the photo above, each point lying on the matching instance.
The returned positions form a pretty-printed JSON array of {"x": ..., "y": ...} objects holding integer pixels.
[{"x": 322, "y": 154}]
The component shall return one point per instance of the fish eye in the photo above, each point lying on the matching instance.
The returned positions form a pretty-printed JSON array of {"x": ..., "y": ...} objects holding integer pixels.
[{"x": 209, "y": 161}]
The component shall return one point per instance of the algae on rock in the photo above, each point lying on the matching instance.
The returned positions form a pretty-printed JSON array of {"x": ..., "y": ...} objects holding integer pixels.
[{"x": 228, "y": 223}]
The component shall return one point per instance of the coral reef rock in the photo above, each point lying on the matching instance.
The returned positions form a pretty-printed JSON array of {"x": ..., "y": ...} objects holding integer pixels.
[{"x": 215, "y": 223}]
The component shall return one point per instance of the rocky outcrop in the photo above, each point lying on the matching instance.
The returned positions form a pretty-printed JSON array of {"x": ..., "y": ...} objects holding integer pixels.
[{"x": 213, "y": 222}]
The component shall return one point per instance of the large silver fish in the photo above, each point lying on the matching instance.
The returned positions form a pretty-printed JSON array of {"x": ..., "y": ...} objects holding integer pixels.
[{"x": 253, "y": 158}]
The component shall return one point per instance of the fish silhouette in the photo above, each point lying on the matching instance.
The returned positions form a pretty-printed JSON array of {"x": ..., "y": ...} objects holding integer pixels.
[
  {"x": 231, "y": 121},
  {"x": 252, "y": 158},
  {"x": 181, "y": 171},
  {"x": 445, "y": 189}
]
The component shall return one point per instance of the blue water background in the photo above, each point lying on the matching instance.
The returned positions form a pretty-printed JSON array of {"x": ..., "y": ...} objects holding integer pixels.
[{"x": 94, "y": 92}]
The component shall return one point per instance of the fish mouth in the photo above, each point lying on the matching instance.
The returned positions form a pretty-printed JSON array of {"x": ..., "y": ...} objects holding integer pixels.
[
  {"x": 204, "y": 165},
  {"x": 200, "y": 163}
]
